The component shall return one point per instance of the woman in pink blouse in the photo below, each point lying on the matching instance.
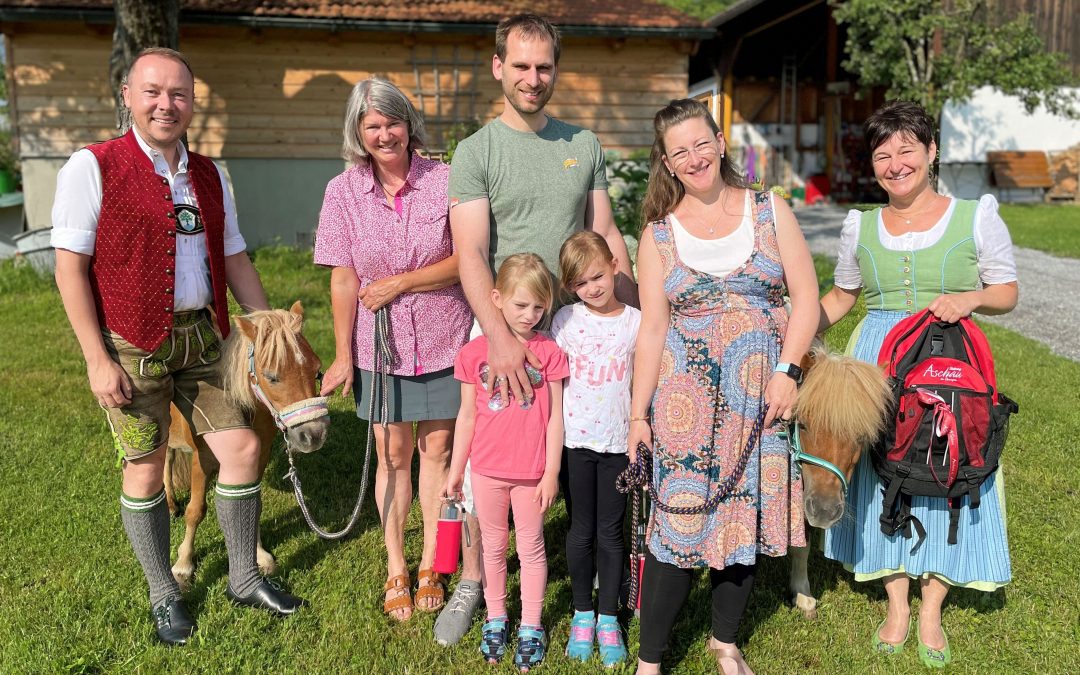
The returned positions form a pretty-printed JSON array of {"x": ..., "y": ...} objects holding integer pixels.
[{"x": 384, "y": 229}]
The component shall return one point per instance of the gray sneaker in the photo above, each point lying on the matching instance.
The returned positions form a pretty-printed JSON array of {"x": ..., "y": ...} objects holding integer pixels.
[{"x": 454, "y": 621}]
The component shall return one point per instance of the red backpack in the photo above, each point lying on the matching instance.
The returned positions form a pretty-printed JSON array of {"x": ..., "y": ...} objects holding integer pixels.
[{"x": 949, "y": 420}]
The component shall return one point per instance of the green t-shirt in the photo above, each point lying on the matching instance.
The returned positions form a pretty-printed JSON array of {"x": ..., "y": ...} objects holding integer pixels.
[{"x": 536, "y": 183}]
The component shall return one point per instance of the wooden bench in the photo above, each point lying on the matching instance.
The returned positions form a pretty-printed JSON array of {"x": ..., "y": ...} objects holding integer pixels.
[{"x": 1018, "y": 169}]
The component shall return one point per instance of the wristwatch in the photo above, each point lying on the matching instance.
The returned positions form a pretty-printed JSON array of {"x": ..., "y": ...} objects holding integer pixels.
[{"x": 790, "y": 369}]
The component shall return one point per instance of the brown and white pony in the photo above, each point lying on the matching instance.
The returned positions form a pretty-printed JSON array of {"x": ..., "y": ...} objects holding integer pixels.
[
  {"x": 841, "y": 408},
  {"x": 268, "y": 347}
]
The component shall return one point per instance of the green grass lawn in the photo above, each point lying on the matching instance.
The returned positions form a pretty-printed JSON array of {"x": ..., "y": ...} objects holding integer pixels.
[
  {"x": 1053, "y": 228},
  {"x": 72, "y": 597}
]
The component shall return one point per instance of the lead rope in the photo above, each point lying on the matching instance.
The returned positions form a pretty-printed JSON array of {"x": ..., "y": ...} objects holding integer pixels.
[
  {"x": 382, "y": 357},
  {"x": 636, "y": 480}
]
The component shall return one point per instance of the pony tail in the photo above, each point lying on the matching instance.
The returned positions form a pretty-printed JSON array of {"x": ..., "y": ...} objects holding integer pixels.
[{"x": 663, "y": 191}]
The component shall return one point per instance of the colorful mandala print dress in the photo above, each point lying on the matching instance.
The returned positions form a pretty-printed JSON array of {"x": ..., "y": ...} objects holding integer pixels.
[{"x": 722, "y": 344}]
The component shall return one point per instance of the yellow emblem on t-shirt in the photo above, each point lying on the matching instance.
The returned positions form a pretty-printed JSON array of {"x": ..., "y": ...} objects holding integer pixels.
[{"x": 569, "y": 163}]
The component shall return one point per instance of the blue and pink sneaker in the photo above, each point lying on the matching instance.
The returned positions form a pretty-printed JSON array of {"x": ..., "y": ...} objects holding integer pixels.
[
  {"x": 580, "y": 645},
  {"x": 610, "y": 638}
]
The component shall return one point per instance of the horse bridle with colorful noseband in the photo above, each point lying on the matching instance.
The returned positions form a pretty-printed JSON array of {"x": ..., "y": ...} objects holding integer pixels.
[
  {"x": 799, "y": 456},
  {"x": 292, "y": 415}
]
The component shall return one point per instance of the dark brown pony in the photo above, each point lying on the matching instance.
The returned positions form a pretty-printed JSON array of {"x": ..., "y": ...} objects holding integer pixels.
[
  {"x": 285, "y": 369},
  {"x": 841, "y": 408}
]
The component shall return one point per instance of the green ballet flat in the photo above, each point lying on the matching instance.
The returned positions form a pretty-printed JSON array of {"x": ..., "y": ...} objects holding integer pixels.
[
  {"x": 935, "y": 658},
  {"x": 888, "y": 648}
]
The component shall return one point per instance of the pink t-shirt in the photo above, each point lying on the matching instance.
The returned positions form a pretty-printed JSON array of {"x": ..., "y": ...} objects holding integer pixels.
[
  {"x": 512, "y": 442},
  {"x": 359, "y": 230}
]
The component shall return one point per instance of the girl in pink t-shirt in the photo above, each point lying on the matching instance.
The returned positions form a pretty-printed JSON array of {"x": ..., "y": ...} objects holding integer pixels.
[{"x": 514, "y": 449}]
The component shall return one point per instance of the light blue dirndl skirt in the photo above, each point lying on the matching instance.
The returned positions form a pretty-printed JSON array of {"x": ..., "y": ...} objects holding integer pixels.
[{"x": 979, "y": 559}]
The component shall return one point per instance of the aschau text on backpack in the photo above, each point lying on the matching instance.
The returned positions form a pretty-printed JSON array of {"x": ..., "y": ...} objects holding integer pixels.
[{"x": 950, "y": 420}]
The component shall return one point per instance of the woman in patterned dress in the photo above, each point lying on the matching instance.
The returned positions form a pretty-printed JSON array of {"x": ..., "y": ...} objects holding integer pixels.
[
  {"x": 385, "y": 231},
  {"x": 713, "y": 265},
  {"x": 923, "y": 250}
]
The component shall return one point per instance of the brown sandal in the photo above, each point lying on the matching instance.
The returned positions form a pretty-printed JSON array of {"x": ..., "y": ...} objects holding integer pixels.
[
  {"x": 430, "y": 584},
  {"x": 728, "y": 653},
  {"x": 401, "y": 600}
]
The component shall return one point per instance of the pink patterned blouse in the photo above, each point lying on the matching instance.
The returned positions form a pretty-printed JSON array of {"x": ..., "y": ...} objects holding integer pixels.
[{"x": 359, "y": 230}]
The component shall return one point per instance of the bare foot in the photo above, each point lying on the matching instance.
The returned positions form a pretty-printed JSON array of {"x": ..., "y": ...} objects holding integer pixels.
[
  {"x": 647, "y": 668},
  {"x": 397, "y": 603},
  {"x": 729, "y": 660},
  {"x": 930, "y": 632},
  {"x": 895, "y": 629}
]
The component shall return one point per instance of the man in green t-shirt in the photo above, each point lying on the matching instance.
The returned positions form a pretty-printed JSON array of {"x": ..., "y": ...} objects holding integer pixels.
[{"x": 523, "y": 183}]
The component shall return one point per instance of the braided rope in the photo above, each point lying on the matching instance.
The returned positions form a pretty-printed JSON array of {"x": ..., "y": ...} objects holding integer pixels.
[
  {"x": 636, "y": 480},
  {"x": 383, "y": 356}
]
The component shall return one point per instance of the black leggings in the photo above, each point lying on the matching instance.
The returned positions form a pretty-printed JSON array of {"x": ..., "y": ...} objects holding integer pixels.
[
  {"x": 597, "y": 515},
  {"x": 664, "y": 589}
]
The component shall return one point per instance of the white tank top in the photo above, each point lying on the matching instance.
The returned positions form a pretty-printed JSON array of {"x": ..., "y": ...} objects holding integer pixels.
[{"x": 718, "y": 257}]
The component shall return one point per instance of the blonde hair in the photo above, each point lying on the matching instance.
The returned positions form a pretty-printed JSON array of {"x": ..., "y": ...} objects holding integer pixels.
[
  {"x": 528, "y": 271},
  {"x": 842, "y": 397},
  {"x": 577, "y": 253}
]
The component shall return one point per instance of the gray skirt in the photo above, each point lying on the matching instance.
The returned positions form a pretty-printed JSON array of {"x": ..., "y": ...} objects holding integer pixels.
[{"x": 431, "y": 396}]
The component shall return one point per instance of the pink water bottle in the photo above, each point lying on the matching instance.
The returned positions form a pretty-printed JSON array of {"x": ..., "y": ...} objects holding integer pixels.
[{"x": 448, "y": 538}]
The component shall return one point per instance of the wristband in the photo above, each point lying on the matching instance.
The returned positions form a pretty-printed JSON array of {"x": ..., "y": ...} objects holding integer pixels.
[
  {"x": 791, "y": 370},
  {"x": 639, "y": 419}
]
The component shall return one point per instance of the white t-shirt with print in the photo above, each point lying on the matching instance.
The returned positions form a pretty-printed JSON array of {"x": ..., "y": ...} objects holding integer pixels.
[{"x": 596, "y": 399}]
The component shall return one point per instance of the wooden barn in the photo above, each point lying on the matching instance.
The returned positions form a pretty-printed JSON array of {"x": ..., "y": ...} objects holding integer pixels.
[
  {"x": 774, "y": 76},
  {"x": 273, "y": 78}
]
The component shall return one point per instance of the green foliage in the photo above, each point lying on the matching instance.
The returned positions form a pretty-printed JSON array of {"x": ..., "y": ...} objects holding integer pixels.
[
  {"x": 931, "y": 51},
  {"x": 630, "y": 176},
  {"x": 700, "y": 9},
  {"x": 9, "y": 159},
  {"x": 456, "y": 134}
]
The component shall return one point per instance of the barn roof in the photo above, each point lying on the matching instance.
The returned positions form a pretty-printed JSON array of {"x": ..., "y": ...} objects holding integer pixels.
[{"x": 574, "y": 17}]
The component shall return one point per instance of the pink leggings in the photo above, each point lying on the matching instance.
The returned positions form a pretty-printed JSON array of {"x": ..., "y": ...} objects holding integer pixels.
[{"x": 494, "y": 497}]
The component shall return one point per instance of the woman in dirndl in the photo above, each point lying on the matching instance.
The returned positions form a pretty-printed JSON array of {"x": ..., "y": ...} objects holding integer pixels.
[
  {"x": 921, "y": 250},
  {"x": 714, "y": 263}
]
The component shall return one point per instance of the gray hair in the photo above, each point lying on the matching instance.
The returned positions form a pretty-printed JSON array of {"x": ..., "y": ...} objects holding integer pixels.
[{"x": 380, "y": 95}]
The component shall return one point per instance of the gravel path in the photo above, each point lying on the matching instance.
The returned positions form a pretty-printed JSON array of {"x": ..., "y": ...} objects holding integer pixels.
[{"x": 1049, "y": 307}]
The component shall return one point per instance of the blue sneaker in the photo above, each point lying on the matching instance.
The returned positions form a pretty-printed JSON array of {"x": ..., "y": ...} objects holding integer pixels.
[
  {"x": 580, "y": 645},
  {"x": 532, "y": 647},
  {"x": 493, "y": 640},
  {"x": 609, "y": 637}
]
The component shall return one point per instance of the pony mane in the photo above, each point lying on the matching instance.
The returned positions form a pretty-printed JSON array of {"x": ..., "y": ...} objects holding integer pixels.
[
  {"x": 276, "y": 333},
  {"x": 843, "y": 397}
]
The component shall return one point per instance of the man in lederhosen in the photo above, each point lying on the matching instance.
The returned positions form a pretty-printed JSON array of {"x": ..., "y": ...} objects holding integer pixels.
[{"x": 146, "y": 242}]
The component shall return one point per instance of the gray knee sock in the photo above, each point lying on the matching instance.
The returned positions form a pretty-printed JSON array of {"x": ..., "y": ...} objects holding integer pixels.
[
  {"x": 146, "y": 522},
  {"x": 238, "y": 509}
]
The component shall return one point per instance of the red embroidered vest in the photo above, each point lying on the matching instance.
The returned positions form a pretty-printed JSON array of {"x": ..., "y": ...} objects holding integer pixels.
[{"x": 132, "y": 272}]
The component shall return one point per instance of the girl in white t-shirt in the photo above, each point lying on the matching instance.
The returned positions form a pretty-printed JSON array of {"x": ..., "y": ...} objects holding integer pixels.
[{"x": 598, "y": 335}]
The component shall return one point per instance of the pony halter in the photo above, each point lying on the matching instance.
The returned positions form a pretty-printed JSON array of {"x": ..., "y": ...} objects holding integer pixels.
[
  {"x": 292, "y": 415},
  {"x": 799, "y": 456}
]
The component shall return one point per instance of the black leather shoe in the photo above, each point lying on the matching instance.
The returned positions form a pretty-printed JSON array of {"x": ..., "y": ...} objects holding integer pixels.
[
  {"x": 174, "y": 625},
  {"x": 269, "y": 596}
]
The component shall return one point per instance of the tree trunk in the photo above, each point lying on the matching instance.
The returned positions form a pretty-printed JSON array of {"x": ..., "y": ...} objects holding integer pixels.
[{"x": 139, "y": 24}]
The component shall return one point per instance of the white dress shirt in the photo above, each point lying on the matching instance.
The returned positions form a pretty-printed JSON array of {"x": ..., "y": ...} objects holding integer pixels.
[{"x": 77, "y": 208}]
